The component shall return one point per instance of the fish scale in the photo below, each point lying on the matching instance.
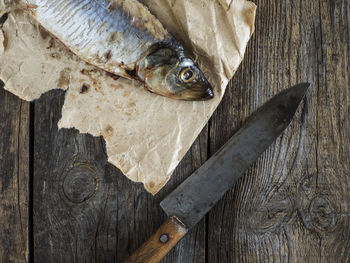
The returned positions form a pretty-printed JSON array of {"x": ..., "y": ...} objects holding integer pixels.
[
  {"x": 70, "y": 23},
  {"x": 122, "y": 37}
]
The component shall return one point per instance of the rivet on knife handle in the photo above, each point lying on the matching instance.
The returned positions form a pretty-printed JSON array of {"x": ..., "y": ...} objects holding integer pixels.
[{"x": 160, "y": 243}]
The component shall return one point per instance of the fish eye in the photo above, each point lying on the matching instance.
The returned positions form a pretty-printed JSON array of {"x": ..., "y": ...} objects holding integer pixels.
[{"x": 188, "y": 75}]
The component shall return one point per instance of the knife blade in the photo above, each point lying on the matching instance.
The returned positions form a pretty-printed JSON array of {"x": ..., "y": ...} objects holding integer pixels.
[{"x": 190, "y": 201}]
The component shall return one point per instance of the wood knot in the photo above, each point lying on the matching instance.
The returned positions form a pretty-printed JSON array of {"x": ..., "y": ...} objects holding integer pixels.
[
  {"x": 80, "y": 183},
  {"x": 307, "y": 184},
  {"x": 322, "y": 215},
  {"x": 269, "y": 217}
]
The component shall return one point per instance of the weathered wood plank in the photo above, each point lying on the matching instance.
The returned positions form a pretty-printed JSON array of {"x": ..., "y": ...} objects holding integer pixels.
[
  {"x": 85, "y": 210},
  {"x": 293, "y": 205},
  {"x": 75, "y": 207},
  {"x": 14, "y": 177}
]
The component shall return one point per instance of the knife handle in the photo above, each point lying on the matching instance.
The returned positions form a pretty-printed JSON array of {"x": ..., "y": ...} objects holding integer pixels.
[{"x": 160, "y": 243}]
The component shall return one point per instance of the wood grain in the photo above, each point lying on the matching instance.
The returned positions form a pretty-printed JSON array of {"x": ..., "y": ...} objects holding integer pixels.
[
  {"x": 293, "y": 205},
  {"x": 75, "y": 206},
  {"x": 14, "y": 176}
]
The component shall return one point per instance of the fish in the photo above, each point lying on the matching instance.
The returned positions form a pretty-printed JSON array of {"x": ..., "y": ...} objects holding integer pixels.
[{"x": 123, "y": 38}]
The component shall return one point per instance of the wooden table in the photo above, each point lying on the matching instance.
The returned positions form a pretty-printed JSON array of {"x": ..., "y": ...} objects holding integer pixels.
[{"x": 60, "y": 200}]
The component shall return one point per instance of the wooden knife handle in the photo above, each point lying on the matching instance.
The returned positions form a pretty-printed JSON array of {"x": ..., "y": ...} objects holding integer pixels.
[{"x": 160, "y": 243}]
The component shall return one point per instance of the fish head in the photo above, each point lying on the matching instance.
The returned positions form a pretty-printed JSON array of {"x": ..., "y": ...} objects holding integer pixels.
[{"x": 166, "y": 73}]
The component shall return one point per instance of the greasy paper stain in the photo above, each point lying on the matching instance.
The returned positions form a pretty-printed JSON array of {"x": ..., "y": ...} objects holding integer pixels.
[
  {"x": 43, "y": 32},
  {"x": 55, "y": 55},
  {"x": 84, "y": 89},
  {"x": 108, "y": 131},
  {"x": 64, "y": 78},
  {"x": 94, "y": 75}
]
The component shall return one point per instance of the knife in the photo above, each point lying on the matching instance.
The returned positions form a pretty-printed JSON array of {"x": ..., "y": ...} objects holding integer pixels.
[{"x": 190, "y": 201}]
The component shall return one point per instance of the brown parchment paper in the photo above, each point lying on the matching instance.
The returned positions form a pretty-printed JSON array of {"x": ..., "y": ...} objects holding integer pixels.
[{"x": 146, "y": 135}]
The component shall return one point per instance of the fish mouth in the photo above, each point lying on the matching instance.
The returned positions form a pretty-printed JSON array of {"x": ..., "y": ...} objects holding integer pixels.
[
  {"x": 196, "y": 95},
  {"x": 209, "y": 94}
]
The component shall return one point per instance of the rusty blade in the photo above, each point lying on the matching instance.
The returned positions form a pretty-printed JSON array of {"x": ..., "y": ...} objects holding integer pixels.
[{"x": 190, "y": 201}]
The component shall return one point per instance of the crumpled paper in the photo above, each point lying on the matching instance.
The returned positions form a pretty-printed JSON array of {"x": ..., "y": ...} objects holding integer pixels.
[{"x": 146, "y": 135}]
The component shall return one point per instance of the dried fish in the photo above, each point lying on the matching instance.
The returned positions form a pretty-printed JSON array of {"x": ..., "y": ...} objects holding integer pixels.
[{"x": 122, "y": 37}]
